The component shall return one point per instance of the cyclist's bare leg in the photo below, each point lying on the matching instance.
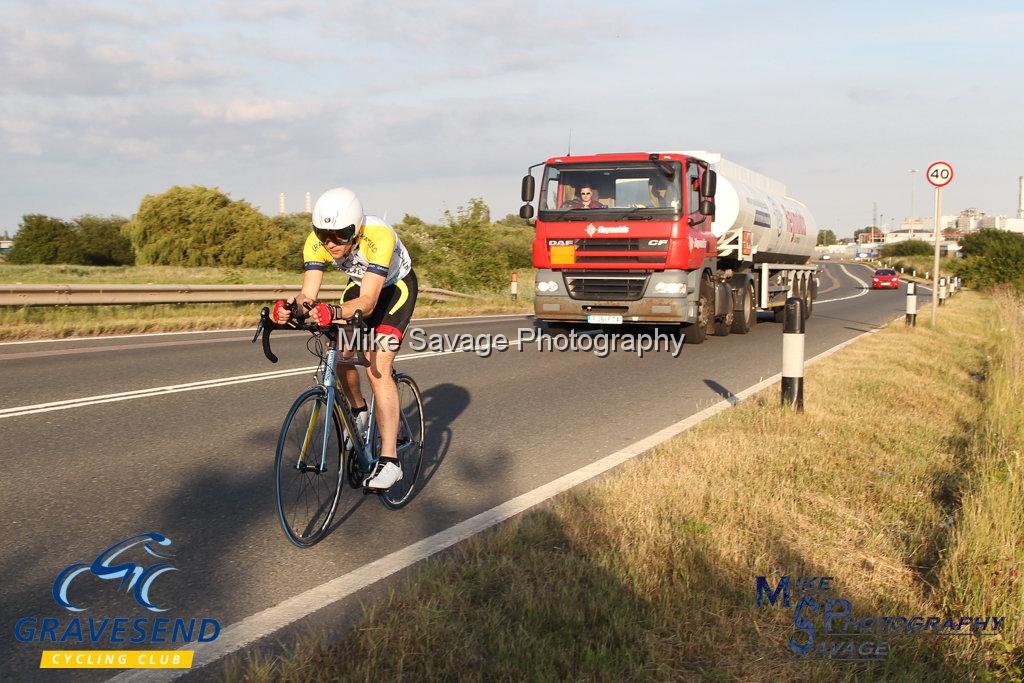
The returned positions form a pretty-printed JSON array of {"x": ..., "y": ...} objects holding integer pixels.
[
  {"x": 349, "y": 377},
  {"x": 385, "y": 393}
]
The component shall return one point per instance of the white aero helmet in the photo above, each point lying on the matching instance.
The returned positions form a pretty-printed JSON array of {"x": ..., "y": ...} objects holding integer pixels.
[{"x": 338, "y": 214}]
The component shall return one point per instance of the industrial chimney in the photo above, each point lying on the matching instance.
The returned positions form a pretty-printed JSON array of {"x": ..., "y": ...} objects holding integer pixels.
[
  {"x": 1020, "y": 198},
  {"x": 309, "y": 203},
  {"x": 280, "y": 203}
]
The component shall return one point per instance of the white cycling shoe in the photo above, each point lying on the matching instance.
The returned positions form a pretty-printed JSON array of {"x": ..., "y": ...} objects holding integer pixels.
[{"x": 387, "y": 475}]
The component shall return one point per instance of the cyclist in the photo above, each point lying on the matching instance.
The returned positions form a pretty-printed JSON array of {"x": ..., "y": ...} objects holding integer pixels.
[{"x": 382, "y": 284}]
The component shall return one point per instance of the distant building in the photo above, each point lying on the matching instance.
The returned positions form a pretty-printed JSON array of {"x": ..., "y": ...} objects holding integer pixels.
[
  {"x": 1002, "y": 223},
  {"x": 5, "y": 246},
  {"x": 969, "y": 219},
  {"x": 927, "y": 223}
]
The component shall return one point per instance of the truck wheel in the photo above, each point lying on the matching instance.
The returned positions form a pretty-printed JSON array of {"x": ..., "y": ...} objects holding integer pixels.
[
  {"x": 746, "y": 317},
  {"x": 812, "y": 292},
  {"x": 697, "y": 332},
  {"x": 721, "y": 327}
]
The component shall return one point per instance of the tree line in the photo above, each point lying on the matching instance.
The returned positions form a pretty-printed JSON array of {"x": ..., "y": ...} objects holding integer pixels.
[{"x": 202, "y": 226}]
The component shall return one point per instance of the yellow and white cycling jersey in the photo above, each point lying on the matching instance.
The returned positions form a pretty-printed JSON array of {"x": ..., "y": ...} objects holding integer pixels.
[{"x": 377, "y": 250}]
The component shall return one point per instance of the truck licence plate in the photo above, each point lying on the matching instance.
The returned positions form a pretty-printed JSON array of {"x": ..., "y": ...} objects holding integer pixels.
[{"x": 605, "y": 319}]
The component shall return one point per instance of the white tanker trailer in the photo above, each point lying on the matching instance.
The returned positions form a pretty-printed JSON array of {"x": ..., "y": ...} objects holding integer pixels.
[{"x": 781, "y": 229}]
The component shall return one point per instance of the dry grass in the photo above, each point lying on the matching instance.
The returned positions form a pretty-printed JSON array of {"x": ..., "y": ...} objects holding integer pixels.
[
  {"x": 981, "y": 572},
  {"x": 650, "y": 573}
]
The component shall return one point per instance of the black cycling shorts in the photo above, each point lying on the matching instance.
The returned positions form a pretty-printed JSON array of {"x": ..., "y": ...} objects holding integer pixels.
[{"x": 394, "y": 307}]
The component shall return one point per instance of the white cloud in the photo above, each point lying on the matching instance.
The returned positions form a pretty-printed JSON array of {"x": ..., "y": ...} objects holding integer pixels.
[{"x": 424, "y": 99}]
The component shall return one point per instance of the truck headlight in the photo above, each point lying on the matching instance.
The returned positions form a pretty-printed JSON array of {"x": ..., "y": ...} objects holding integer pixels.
[
  {"x": 546, "y": 285},
  {"x": 670, "y": 288}
]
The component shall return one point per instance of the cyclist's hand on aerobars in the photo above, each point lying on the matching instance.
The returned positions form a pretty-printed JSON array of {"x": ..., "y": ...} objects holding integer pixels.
[{"x": 282, "y": 311}]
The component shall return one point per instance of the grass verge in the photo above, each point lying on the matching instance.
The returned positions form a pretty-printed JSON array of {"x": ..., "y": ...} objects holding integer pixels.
[
  {"x": 48, "y": 322},
  {"x": 901, "y": 480}
]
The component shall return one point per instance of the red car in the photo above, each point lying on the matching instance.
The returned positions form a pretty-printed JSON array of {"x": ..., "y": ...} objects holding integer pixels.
[{"x": 885, "y": 278}]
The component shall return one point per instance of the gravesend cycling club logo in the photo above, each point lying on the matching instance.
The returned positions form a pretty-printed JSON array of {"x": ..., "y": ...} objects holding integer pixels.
[
  {"x": 133, "y": 577},
  {"x": 131, "y": 566}
]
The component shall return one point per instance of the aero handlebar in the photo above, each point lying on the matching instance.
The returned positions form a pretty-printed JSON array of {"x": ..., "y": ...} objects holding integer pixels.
[{"x": 296, "y": 322}]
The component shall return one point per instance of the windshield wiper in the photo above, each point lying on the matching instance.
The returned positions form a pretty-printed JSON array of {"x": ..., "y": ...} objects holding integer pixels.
[
  {"x": 578, "y": 214},
  {"x": 632, "y": 212}
]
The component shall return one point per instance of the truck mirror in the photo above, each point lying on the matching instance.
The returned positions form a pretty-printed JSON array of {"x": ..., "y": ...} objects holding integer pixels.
[
  {"x": 528, "y": 188},
  {"x": 526, "y": 211},
  {"x": 707, "y": 206},
  {"x": 708, "y": 185}
]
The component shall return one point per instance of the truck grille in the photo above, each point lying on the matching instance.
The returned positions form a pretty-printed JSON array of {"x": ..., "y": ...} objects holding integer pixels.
[
  {"x": 622, "y": 250},
  {"x": 608, "y": 244},
  {"x": 620, "y": 285}
]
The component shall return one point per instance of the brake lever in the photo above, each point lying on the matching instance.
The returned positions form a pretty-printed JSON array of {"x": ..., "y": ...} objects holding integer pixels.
[
  {"x": 264, "y": 328},
  {"x": 259, "y": 327}
]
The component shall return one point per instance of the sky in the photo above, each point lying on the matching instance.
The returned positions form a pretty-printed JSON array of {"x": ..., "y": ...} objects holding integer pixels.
[{"x": 420, "y": 106}]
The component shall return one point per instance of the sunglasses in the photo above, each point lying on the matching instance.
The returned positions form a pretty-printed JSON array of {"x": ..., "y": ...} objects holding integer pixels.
[
  {"x": 340, "y": 236},
  {"x": 586, "y": 193}
]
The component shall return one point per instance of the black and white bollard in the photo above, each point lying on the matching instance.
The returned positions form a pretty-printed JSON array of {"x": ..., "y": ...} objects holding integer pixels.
[
  {"x": 793, "y": 355},
  {"x": 911, "y": 304},
  {"x": 942, "y": 290},
  {"x": 514, "y": 286}
]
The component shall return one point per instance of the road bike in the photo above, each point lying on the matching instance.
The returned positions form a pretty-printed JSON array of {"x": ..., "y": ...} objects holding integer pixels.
[{"x": 320, "y": 448}]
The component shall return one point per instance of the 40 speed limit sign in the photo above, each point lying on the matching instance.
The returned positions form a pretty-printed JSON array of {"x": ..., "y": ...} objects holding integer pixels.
[{"x": 940, "y": 174}]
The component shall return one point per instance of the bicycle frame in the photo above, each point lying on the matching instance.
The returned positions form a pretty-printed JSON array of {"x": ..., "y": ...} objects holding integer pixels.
[{"x": 328, "y": 381}]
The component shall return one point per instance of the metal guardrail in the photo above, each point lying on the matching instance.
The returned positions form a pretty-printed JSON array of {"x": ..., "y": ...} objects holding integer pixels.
[{"x": 105, "y": 295}]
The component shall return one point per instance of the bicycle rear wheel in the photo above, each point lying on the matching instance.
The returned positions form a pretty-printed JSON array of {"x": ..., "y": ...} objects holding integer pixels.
[
  {"x": 411, "y": 430},
  {"x": 308, "y": 469}
]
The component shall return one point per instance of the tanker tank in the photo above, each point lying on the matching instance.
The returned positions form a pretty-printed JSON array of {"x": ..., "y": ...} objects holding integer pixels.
[{"x": 782, "y": 229}]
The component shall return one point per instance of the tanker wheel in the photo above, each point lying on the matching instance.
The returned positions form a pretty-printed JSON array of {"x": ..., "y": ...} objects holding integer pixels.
[
  {"x": 812, "y": 292},
  {"x": 746, "y": 317},
  {"x": 697, "y": 332},
  {"x": 721, "y": 327}
]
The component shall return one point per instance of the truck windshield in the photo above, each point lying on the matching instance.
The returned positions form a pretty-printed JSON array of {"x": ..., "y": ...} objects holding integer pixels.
[{"x": 637, "y": 187}]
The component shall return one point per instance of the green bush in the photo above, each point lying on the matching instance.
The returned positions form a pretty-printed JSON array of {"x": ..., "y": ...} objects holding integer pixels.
[
  {"x": 416, "y": 236},
  {"x": 297, "y": 226},
  {"x": 907, "y": 248},
  {"x": 43, "y": 239},
  {"x": 102, "y": 241},
  {"x": 991, "y": 257},
  {"x": 201, "y": 226},
  {"x": 466, "y": 254}
]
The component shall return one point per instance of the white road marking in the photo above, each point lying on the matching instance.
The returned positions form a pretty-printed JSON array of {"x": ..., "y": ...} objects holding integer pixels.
[
  {"x": 852, "y": 296},
  {"x": 272, "y": 619},
  {"x": 203, "y": 384}
]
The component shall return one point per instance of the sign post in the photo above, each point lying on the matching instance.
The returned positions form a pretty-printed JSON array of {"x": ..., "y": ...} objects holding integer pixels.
[{"x": 938, "y": 174}]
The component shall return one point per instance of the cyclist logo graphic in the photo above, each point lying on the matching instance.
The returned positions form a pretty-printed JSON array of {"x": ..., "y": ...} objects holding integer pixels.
[{"x": 133, "y": 577}]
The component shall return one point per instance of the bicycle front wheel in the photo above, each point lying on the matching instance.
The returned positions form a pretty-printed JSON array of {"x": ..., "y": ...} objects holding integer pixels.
[
  {"x": 411, "y": 432},
  {"x": 308, "y": 468}
]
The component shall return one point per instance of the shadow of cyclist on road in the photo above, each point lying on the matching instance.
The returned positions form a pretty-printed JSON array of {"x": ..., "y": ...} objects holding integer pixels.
[{"x": 441, "y": 405}]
